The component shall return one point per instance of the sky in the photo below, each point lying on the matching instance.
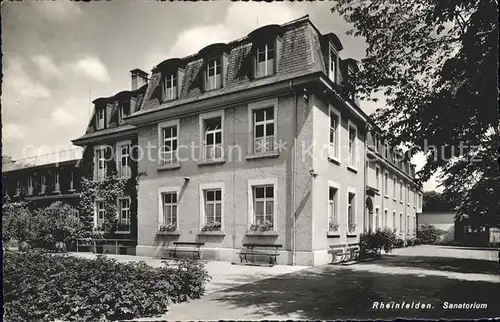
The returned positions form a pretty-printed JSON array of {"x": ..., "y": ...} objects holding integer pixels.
[{"x": 58, "y": 56}]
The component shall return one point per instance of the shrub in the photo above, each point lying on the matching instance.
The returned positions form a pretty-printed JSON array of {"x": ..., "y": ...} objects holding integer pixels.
[
  {"x": 371, "y": 243},
  {"x": 398, "y": 243},
  {"x": 44, "y": 287},
  {"x": 16, "y": 222},
  {"x": 410, "y": 242},
  {"x": 428, "y": 234}
]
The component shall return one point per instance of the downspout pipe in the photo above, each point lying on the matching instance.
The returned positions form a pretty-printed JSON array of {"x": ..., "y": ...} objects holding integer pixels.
[{"x": 294, "y": 154}]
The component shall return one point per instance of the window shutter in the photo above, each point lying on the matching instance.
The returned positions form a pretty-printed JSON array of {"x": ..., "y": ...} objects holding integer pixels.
[
  {"x": 224, "y": 65},
  {"x": 110, "y": 164},
  {"x": 180, "y": 77},
  {"x": 277, "y": 53}
]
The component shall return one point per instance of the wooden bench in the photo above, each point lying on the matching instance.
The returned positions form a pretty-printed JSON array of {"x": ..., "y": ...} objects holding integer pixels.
[
  {"x": 196, "y": 249},
  {"x": 94, "y": 243},
  {"x": 346, "y": 253},
  {"x": 250, "y": 251}
]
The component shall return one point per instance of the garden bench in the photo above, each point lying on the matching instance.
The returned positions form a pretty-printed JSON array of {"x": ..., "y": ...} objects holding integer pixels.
[
  {"x": 118, "y": 243},
  {"x": 251, "y": 251},
  {"x": 195, "y": 249},
  {"x": 345, "y": 253}
]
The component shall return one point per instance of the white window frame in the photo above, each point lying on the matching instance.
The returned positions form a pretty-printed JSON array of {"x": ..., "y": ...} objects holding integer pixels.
[
  {"x": 211, "y": 186},
  {"x": 377, "y": 178},
  {"x": 101, "y": 121},
  {"x": 386, "y": 184},
  {"x": 97, "y": 177},
  {"x": 43, "y": 184},
  {"x": 119, "y": 209},
  {"x": 272, "y": 102},
  {"x": 217, "y": 62},
  {"x": 394, "y": 187},
  {"x": 336, "y": 186},
  {"x": 203, "y": 134},
  {"x": 400, "y": 222},
  {"x": 377, "y": 218},
  {"x": 334, "y": 148},
  {"x": 352, "y": 161},
  {"x": 394, "y": 219},
  {"x": 384, "y": 217},
  {"x": 351, "y": 190},
  {"x": 72, "y": 181},
  {"x": 175, "y": 156},
  {"x": 251, "y": 183},
  {"x": 401, "y": 190},
  {"x": 169, "y": 87},
  {"x": 119, "y": 155},
  {"x": 266, "y": 51},
  {"x": 161, "y": 208},
  {"x": 96, "y": 211},
  {"x": 57, "y": 183},
  {"x": 332, "y": 74},
  {"x": 30, "y": 185}
]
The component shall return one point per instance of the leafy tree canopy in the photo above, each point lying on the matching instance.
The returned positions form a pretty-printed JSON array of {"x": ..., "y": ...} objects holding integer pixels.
[
  {"x": 436, "y": 63},
  {"x": 436, "y": 202}
]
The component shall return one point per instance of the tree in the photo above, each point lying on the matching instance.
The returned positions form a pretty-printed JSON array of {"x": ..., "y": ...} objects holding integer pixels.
[
  {"x": 435, "y": 202},
  {"x": 436, "y": 62}
]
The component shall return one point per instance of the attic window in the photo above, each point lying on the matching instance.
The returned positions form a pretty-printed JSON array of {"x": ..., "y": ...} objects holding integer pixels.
[
  {"x": 332, "y": 64},
  {"x": 100, "y": 118},
  {"x": 214, "y": 74},
  {"x": 169, "y": 87},
  {"x": 123, "y": 111},
  {"x": 265, "y": 60}
]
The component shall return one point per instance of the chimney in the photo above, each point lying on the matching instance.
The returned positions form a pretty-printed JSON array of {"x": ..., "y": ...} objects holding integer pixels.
[{"x": 139, "y": 78}]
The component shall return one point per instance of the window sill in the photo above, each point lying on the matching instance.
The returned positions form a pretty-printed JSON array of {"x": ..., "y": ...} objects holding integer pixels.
[
  {"x": 168, "y": 167},
  {"x": 333, "y": 234},
  {"x": 168, "y": 233},
  {"x": 211, "y": 162},
  {"x": 386, "y": 196},
  {"x": 335, "y": 160},
  {"x": 56, "y": 192},
  {"x": 351, "y": 235},
  {"x": 271, "y": 154},
  {"x": 351, "y": 168},
  {"x": 261, "y": 233},
  {"x": 394, "y": 199},
  {"x": 401, "y": 202},
  {"x": 122, "y": 232},
  {"x": 211, "y": 233}
]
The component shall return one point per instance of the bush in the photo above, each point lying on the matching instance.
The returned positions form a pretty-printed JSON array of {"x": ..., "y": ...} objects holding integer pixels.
[
  {"x": 399, "y": 243},
  {"x": 410, "y": 242},
  {"x": 44, "y": 287},
  {"x": 16, "y": 222},
  {"x": 428, "y": 234},
  {"x": 371, "y": 243}
]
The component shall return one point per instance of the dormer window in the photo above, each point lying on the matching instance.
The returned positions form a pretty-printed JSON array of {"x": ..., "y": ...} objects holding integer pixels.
[
  {"x": 332, "y": 64},
  {"x": 123, "y": 111},
  {"x": 265, "y": 60},
  {"x": 170, "y": 87},
  {"x": 214, "y": 74},
  {"x": 100, "y": 118}
]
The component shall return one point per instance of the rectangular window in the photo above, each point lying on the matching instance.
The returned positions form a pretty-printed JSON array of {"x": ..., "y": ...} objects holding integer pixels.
[
  {"x": 393, "y": 220},
  {"x": 30, "y": 185},
  {"x": 377, "y": 177},
  {"x": 169, "y": 202},
  {"x": 351, "y": 211},
  {"x": 401, "y": 190},
  {"x": 332, "y": 64},
  {"x": 334, "y": 149},
  {"x": 170, "y": 87},
  {"x": 100, "y": 118},
  {"x": 169, "y": 147},
  {"x": 213, "y": 207},
  {"x": 386, "y": 151},
  {"x": 214, "y": 72},
  {"x": 43, "y": 185},
  {"x": 100, "y": 214},
  {"x": 377, "y": 219},
  {"x": 407, "y": 224},
  {"x": 18, "y": 189},
  {"x": 263, "y": 129},
  {"x": 124, "y": 214},
  {"x": 394, "y": 187},
  {"x": 100, "y": 164},
  {"x": 333, "y": 220},
  {"x": 385, "y": 218},
  {"x": 265, "y": 60},
  {"x": 123, "y": 111},
  {"x": 352, "y": 145},
  {"x": 72, "y": 181},
  {"x": 400, "y": 223},
  {"x": 264, "y": 204},
  {"x": 56, "y": 182},
  {"x": 124, "y": 160},
  {"x": 386, "y": 184},
  {"x": 212, "y": 141}
]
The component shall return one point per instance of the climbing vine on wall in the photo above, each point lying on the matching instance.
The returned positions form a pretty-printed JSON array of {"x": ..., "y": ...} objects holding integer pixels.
[{"x": 109, "y": 191}]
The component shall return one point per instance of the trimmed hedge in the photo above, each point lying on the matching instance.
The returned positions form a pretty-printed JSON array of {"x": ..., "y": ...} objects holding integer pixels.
[{"x": 45, "y": 287}]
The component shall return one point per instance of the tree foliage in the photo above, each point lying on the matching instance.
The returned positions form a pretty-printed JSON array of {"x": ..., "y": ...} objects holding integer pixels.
[
  {"x": 435, "y": 202},
  {"x": 436, "y": 63}
]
